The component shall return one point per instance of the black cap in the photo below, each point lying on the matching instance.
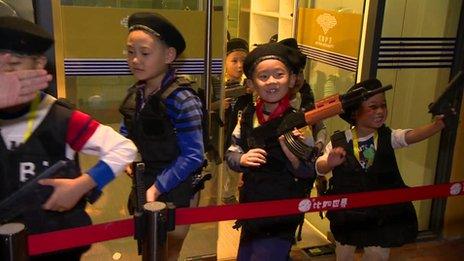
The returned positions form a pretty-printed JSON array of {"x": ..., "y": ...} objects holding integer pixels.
[
  {"x": 158, "y": 25},
  {"x": 369, "y": 85},
  {"x": 23, "y": 37},
  {"x": 237, "y": 44},
  {"x": 292, "y": 43},
  {"x": 286, "y": 55}
]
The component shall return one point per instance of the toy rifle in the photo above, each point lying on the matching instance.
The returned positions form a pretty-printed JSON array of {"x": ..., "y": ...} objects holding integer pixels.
[
  {"x": 16, "y": 203},
  {"x": 139, "y": 222},
  {"x": 263, "y": 135},
  {"x": 447, "y": 102}
]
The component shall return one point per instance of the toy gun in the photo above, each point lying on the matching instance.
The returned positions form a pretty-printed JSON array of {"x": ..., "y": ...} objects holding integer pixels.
[
  {"x": 199, "y": 178},
  {"x": 234, "y": 89},
  {"x": 139, "y": 223},
  {"x": 16, "y": 203},
  {"x": 325, "y": 108},
  {"x": 447, "y": 102}
]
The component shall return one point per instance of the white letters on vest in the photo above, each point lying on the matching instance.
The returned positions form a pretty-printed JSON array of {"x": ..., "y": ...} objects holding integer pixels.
[{"x": 26, "y": 171}]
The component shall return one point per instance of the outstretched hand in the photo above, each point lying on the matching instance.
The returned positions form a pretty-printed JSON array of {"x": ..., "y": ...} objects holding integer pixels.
[{"x": 66, "y": 192}]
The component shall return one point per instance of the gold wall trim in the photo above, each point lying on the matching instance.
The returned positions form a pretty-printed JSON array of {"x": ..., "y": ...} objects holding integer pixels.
[{"x": 59, "y": 49}]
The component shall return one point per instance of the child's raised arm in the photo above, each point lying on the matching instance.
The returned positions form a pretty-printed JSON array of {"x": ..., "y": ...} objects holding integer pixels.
[{"x": 423, "y": 132}]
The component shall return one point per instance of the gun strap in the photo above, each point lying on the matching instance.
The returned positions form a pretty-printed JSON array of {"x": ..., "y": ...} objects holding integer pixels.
[
  {"x": 173, "y": 86},
  {"x": 170, "y": 89}
]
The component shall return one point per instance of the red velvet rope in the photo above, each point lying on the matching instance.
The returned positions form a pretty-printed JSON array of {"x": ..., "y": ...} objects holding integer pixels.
[{"x": 81, "y": 236}]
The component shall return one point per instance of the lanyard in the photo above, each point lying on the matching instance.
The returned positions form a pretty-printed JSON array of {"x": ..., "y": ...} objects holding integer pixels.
[
  {"x": 356, "y": 143},
  {"x": 31, "y": 117}
]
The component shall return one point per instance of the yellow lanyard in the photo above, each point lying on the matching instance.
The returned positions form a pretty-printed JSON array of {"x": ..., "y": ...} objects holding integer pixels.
[
  {"x": 356, "y": 143},
  {"x": 31, "y": 117}
]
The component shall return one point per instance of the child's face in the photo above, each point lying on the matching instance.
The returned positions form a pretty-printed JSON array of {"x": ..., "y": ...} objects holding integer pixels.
[
  {"x": 372, "y": 113},
  {"x": 234, "y": 64},
  {"x": 272, "y": 80},
  {"x": 148, "y": 57},
  {"x": 18, "y": 62}
]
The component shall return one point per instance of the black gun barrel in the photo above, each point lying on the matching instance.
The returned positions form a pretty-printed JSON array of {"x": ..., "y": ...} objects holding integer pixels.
[
  {"x": 446, "y": 100},
  {"x": 360, "y": 94}
]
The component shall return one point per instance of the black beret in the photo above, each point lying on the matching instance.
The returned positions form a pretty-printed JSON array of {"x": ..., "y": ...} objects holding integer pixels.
[
  {"x": 278, "y": 51},
  {"x": 369, "y": 85},
  {"x": 157, "y": 25},
  {"x": 237, "y": 44},
  {"x": 292, "y": 43},
  {"x": 23, "y": 37}
]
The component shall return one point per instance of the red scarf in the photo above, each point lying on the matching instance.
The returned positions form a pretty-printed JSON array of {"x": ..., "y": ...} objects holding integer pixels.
[{"x": 284, "y": 104}]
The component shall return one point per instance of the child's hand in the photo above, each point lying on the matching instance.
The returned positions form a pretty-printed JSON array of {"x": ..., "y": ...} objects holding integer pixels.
[
  {"x": 439, "y": 121},
  {"x": 336, "y": 157},
  {"x": 67, "y": 192},
  {"x": 128, "y": 171},
  {"x": 152, "y": 194},
  {"x": 253, "y": 158}
]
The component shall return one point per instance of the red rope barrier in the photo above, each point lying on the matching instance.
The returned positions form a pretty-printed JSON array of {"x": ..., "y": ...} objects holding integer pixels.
[
  {"x": 81, "y": 236},
  {"x": 295, "y": 206}
]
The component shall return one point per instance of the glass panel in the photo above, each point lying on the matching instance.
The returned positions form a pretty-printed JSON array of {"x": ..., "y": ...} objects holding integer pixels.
[
  {"x": 97, "y": 78},
  {"x": 417, "y": 80},
  {"x": 154, "y": 4},
  {"x": 329, "y": 69}
]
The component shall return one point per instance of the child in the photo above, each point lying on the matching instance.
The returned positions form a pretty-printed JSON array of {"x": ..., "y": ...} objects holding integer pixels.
[
  {"x": 37, "y": 134},
  {"x": 363, "y": 159},
  {"x": 163, "y": 116},
  {"x": 271, "y": 172},
  {"x": 237, "y": 50}
]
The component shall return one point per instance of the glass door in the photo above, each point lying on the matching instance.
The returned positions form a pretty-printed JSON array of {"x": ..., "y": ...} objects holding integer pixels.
[
  {"x": 329, "y": 34},
  {"x": 92, "y": 72}
]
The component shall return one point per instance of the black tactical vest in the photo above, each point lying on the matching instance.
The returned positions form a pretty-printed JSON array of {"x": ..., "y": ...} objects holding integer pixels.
[
  {"x": 45, "y": 146},
  {"x": 154, "y": 134},
  {"x": 385, "y": 226},
  {"x": 272, "y": 181}
]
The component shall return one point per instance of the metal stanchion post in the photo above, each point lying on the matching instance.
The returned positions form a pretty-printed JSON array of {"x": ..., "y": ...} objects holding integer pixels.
[
  {"x": 13, "y": 242},
  {"x": 155, "y": 237}
]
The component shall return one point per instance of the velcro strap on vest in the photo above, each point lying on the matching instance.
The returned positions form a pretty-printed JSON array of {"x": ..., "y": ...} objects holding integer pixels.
[{"x": 174, "y": 85}]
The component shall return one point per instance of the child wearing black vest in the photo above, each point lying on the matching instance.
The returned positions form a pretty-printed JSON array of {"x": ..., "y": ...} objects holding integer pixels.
[
  {"x": 270, "y": 171},
  {"x": 39, "y": 133},
  {"x": 362, "y": 159},
  {"x": 163, "y": 116}
]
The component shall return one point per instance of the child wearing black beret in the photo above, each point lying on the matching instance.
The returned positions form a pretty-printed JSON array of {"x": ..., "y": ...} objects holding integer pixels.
[
  {"x": 362, "y": 159},
  {"x": 39, "y": 133},
  {"x": 237, "y": 50},
  {"x": 270, "y": 172},
  {"x": 162, "y": 115}
]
